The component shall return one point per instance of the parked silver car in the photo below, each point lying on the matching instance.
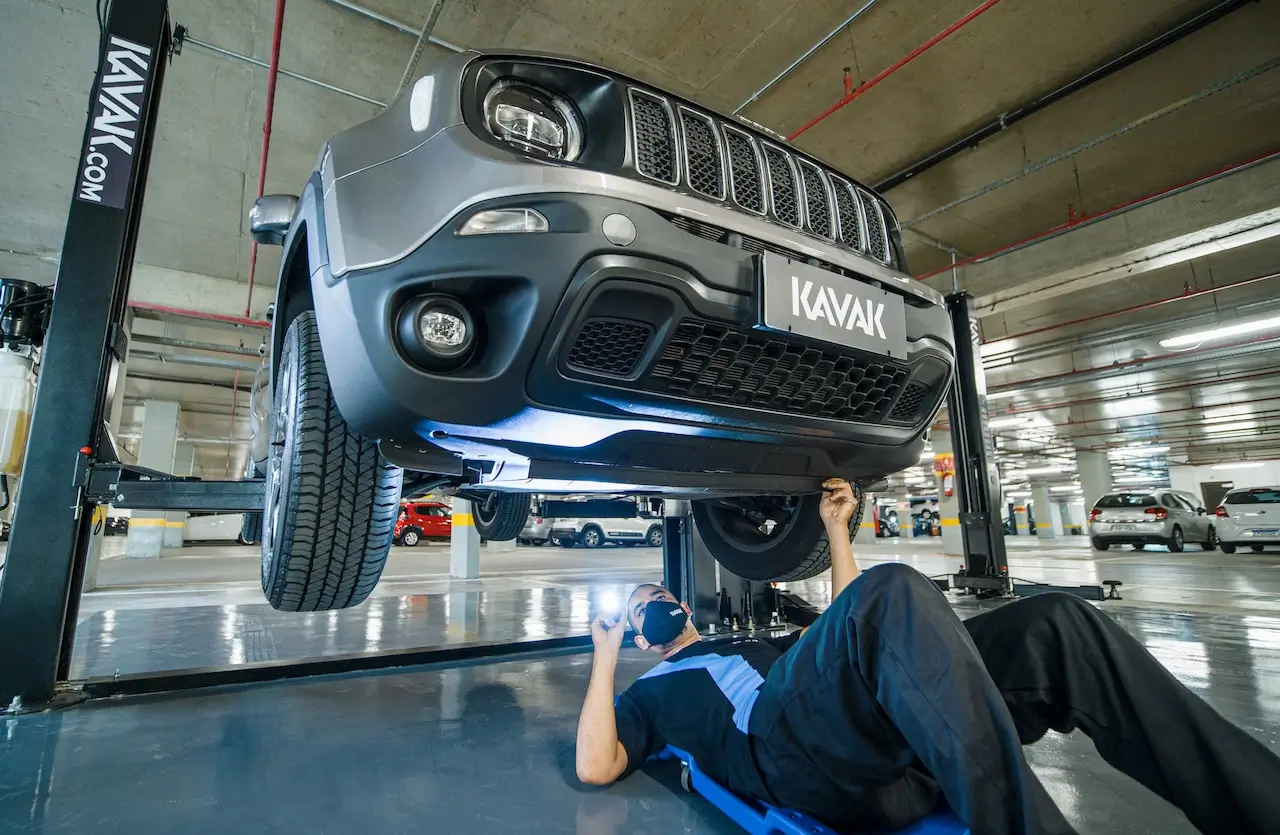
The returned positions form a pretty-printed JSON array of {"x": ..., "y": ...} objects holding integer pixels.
[
  {"x": 1151, "y": 517},
  {"x": 537, "y": 530},
  {"x": 1249, "y": 517}
]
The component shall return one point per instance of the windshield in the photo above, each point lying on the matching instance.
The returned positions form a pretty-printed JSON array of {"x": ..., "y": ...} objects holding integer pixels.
[
  {"x": 1258, "y": 495},
  {"x": 1127, "y": 500}
]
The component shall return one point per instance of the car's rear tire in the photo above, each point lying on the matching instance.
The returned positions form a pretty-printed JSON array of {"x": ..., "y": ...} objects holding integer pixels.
[
  {"x": 1211, "y": 543},
  {"x": 1257, "y": 549},
  {"x": 1176, "y": 542},
  {"x": 1099, "y": 545},
  {"x": 331, "y": 498},
  {"x": 654, "y": 537},
  {"x": 794, "y": 548},
  {"x": 1227, "y": 547},
  {"x": 592, "y": 536},
  {"x": 410, "y": 538},
  {"x": 1139, "y": 546},
  {"x": 500, "y": 517}
]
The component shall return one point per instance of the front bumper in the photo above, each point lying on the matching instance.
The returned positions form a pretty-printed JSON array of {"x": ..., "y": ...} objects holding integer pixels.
[{"x": 547, "y": 401}]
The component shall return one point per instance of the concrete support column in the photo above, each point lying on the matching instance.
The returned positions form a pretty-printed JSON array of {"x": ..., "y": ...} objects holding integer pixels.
[
  {"x": 464, "y": 542},
  {"x": 1021, "y": 526},
  {"x": 906, "y": 528},
  {"x": 1048, "y": 516},
  {"x": 184, "y": 464},
  {"x": 948, "y": 506},
  {"x": 1095, "y": 476},
  {"x": 115, "y": 410},
  {"x": 866, "y": 533},
  {"x": 155, "y": 451}
]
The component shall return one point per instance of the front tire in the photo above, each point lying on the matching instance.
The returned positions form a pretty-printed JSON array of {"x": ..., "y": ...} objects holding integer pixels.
[
  {"x": 1211, "y": 544},
  {"x": 410, "y": 538},
  {"x": 1176, "y": 542},
  {"x": 500, "y": 517},
  {"x": 1099, "y": 545},
  {"x": 592, "y": 537},
  {"x": 772, "y": 538},
  {"x": 654, "y": 538},
  {"x": 1257, "y": 549},
  {"x": 331, "y": 498}
]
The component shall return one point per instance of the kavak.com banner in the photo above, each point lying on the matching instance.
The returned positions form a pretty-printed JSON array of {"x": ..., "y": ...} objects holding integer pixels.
[{"x": 107, "y": 161}]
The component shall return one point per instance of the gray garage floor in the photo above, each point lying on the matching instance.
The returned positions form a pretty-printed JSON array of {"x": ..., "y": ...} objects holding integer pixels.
[{"x": 488, "y": 748}]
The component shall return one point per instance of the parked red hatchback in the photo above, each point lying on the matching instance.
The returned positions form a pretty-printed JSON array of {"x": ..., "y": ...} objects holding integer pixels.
[{"x": 422, "y": 519}]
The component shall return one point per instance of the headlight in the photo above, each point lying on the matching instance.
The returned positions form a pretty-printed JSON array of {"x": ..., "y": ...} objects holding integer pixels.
[{"x": 533, "y": 120}]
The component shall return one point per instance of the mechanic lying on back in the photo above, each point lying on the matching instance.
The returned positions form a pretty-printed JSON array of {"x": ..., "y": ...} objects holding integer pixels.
[{"x": 888, "y": 698}]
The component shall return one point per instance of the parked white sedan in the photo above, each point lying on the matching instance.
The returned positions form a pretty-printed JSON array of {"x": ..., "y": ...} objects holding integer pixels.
[{"x": 1249, "y": 517}]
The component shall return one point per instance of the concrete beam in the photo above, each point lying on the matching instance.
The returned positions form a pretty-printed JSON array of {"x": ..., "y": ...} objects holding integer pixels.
[
  {"x": 203, "y": 293},
  {"x": 1221, "y": 214}
]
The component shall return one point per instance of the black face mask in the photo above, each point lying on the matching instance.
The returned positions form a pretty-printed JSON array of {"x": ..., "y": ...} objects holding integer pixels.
[{"x": 664, "y": 620}]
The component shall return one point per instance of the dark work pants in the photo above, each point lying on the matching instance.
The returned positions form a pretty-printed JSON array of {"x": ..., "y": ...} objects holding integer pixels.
[{"x": 890, "y": 698}]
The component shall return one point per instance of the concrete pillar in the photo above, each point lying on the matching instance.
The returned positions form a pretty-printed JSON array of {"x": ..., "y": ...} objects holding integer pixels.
[
  {"x": 906, "y": 528},
  {"x": 1048, "y": 516},
  {"x": 1095, "y": 476},
  {"x": 1020, "y": 522},
  {"x": 184, "y": 464},
  {"x": 155, "y": 451},
  {"x": 948, "y": 506},
  {"x": 464, "y": 542},
  {"x": 866, "y": 532},
  {"x": 115, "y": 410}
]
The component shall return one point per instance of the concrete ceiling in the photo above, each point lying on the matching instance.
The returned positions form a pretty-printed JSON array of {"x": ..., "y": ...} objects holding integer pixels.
[{"x": 719, "y": 53}]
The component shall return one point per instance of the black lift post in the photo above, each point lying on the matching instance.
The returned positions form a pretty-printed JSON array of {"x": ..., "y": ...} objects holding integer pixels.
[
  {"x": 985, "y": 571},
  {"x": 40, "y": 586}
]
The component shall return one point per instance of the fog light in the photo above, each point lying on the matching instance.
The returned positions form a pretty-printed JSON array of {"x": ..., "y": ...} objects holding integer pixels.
[
  {"x": 441, "y": 329},
  {"x": 504, "y": 222},
  {"x": 437, "y": 332}
]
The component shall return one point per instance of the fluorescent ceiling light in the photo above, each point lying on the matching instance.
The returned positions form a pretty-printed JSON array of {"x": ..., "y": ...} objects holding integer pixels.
[
  {"x": 997, "y": 346},
  {"x": 1068, "y": 488},
  {"x": 1064, "y": 468},
  {"x": 1238, "y": 329},
  {"x": 1000, "y": 395},
  {"x": 1137, "y": 451},
  {"x": 1239, "y": 465},
  {"x": 1139, "y": 479},
  {"x": 1018, "y": 495},
  {"x": 1002, "y": 362},
  {"x": 1230, "y": 427},
  {"x": 1007, "y": 422}
]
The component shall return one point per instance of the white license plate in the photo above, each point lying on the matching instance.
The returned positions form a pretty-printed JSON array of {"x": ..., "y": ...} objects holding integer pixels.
[
  {"x": 802, "y": 299},
  {"x": 1122, "y": 528},
  {"x": 1266, "y": 531}
]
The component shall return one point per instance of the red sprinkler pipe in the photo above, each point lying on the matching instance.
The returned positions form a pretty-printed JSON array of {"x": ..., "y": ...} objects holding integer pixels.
[
  {"x": 273, "y": 72},
  {"x": 242, "y": 321},
  {"x": 897, "y": 65}
]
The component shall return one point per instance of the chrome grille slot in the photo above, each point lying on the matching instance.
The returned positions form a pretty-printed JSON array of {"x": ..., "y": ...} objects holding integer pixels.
[
  {"x": 703, "y": 160},
  {"x": 817, "y": 205},
  {"x": 877, "y": 232},
  {"x": 848, "y": 215},
  {"x": 783, "y": 188},
  {"x": 654, "y": 135},
  {"x": 744, "y": 170}
]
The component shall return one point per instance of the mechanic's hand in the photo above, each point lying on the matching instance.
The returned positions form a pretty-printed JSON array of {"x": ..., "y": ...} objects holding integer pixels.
[
  {"x": 606, "y": 635},
  {"x": 838, "y": 504}
]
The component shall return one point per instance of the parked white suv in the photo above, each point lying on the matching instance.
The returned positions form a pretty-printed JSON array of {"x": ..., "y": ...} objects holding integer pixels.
[
  {"x": 1151, "y": 517},
  {"x": 1249, "y": 517},
  {"x": 642, "y": 530}
]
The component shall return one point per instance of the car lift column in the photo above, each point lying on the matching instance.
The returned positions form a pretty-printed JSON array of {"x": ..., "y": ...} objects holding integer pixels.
[
  {"x": 977, "y": 485},
  {"x": 40, "y": 586}
]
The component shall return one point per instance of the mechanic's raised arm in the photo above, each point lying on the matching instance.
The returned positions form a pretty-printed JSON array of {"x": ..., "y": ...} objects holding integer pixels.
[
  {"x": 601, "y": 758},
  {"x": 836, "y": 509}
]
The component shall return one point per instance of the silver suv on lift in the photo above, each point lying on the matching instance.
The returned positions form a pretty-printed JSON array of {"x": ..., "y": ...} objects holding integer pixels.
[{"x": 534, "y": 275}]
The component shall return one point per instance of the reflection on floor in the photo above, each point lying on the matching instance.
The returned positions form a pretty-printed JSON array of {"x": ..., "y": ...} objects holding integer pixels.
[{"x": 488, "y": 748}]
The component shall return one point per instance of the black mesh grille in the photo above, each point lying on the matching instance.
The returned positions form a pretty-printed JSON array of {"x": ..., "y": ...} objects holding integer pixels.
[
  {"x": 609, "y": 346},
  {"x": 816, "y": 208},
  {"x": 782, "y": 185},
  {"x": 716, "y": 363},
  {"x": 908, "y": 405},
  {"x": 655, "y": 141},
  {"x": 744, "y": 172},
  {"x": 877, "y": 237},
  {"x": 850, "y": 217},
  {"x": 704, "y": 167}
]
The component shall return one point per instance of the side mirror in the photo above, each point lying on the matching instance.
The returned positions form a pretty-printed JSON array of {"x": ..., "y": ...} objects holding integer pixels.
[
  {"x": 270, "y": 217},
  {"x": 1201, "y": 511}
]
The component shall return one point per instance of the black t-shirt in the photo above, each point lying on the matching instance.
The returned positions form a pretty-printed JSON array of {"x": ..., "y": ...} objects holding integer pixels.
[{"x": 700, "y": 700}]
